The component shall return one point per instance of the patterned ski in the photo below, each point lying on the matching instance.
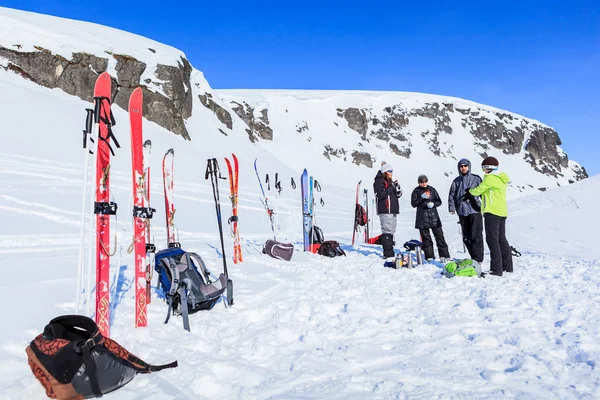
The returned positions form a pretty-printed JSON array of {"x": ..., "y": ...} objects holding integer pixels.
[
  {"x": 167, "y": 169},
  {"x": 233, "y": 189},
  {"x": 141, "y": 212},
  {"x": 103, "y": 208}
]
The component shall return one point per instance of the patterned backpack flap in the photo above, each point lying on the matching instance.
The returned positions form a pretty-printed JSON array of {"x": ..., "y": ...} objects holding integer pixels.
[
  {"x": 72, "y": 360},
  {"x": 465, "y": 267},
  {"x": 331, "y": 248}
]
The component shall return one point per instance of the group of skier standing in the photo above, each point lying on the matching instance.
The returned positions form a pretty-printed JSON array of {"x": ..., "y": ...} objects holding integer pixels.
[{"x": 478, "y": 203}]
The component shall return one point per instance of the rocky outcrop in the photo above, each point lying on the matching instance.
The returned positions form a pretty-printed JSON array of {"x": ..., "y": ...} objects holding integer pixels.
[
  {"x": 257, "y": 127},
  {"x": 357, "y": 120},
  {"x": 222, "y": 115},
  {"x": 362, "y": 158},
  {"x": 77, "y": 77},
  {"x": 545, "y": 155},
  {"x": 330, "y": 151}
]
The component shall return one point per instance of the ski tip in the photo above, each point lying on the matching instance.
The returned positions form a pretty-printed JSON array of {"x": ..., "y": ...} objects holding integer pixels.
[
  {"x": 147, "y": 143},
  {"x": 170, "y": 151}
]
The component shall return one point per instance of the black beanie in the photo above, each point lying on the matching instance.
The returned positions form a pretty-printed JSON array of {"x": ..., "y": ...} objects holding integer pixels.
[{"x": 490, "y": 161}]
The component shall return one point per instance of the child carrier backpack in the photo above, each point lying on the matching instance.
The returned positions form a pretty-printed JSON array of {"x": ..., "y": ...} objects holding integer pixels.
[
  {"x": 464, "y": 267},
  {"x": 72, "y": 360},
  {"x": 316, "y": 235},
  {"x": 278, "y": 250},
  {"x": 188, "y": 284},
  {"x": 360, "y": 215},
  {"x": 330, "y": 248}
]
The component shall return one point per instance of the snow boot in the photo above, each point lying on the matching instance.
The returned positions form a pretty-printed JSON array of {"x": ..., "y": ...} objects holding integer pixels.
[{"x": 387, "y": 242}]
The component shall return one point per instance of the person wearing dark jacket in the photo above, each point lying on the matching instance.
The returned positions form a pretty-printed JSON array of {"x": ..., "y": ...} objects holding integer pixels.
[
  {"x": 426, "y": 200},
  {"x": 387, "y": 193},
  {"x": 468, "y": 210}
]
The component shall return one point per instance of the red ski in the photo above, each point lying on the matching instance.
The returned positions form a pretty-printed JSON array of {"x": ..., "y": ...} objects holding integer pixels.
[
  {"x": 103, "y": 208},
  {"x": 167, "y": 169},
  {"x": 141, "y": 212},
  {"x": 233, "y": 189}
]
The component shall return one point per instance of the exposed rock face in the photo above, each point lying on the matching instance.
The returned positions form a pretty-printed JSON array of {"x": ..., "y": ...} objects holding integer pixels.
[
  {"x": 257, "y": 126},
  {"x": 77, "y": 77},
  {"x": 544, "y": 154},
  {"x": 362, "y": 158},
  {"x": 330, "y": 151},
  {"x": 357, "y": 120},
  {"x": 223, "y": 115}
]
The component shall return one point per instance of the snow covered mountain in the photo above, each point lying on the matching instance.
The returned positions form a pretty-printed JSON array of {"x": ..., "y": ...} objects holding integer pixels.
[
  {"x": 346, "y": 133},
  {"x": 314, "y": 327}
]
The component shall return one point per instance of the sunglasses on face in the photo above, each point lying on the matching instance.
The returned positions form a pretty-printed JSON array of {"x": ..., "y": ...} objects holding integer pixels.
[
  {"x": 422, "y": 182},
  {"x": 463, "y": 166}
]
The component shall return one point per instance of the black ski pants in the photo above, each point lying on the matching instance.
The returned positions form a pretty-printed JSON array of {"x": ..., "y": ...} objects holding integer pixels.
[
  {"x": 428, "y": 243},
  {"x": 495, "y": 236},
  {"x": 472, "y": 233}
]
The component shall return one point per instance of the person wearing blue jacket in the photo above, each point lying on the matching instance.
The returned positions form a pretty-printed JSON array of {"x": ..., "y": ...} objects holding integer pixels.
[{"x": 468, "y": 209}]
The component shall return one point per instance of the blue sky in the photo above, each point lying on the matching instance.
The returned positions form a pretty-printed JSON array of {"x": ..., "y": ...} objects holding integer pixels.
[{"x": 538, "y": 59}]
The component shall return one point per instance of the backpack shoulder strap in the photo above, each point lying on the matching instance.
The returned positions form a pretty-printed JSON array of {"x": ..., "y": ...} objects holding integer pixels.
[{"x": 174, "y": 284}]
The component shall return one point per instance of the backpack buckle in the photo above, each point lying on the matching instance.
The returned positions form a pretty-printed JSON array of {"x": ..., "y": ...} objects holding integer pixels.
[{"x": 89, "y": 344}]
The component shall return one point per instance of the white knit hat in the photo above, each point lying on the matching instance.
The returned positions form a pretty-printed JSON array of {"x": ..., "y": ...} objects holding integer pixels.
[{"x": 386, "y": 168}]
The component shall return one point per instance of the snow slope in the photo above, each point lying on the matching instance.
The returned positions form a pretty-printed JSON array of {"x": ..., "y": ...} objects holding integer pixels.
[
  {"x": 289, "y": 112},
  {"x": 310, "y": 328}
]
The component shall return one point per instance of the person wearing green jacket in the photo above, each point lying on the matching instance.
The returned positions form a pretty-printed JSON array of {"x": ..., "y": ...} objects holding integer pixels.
[{"x": 495, "y": 211}]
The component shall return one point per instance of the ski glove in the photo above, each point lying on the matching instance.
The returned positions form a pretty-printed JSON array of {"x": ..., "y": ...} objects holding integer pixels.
[
  {"x": 466, "y": 196},
  {"x": 397, "y": 189},
  {"x": 424, "y": 195},
  {"x": 430, "y": 204}
]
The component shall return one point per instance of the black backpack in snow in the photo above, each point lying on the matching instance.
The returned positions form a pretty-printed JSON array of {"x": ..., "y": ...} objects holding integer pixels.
[
  {"x": 316, "y": 235},
  {"x": 330, "y": 248},
  {"x": 278, "y": 250},
  {"x": 188, "y": 284},
  {"x": 360, "y": 215},
  {"x": 72, "y": 360}
]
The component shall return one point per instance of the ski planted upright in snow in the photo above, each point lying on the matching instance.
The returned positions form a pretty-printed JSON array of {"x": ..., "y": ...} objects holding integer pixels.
[
  {"x": 306, "y": 217},
  {"x": 265, "y": 202},
  {"x": 103, "y": 207},
  {"x": 366, "y": 196},
  {"x": 233, "y": 221},
  {"x": 214, "y": 174},
  {"x": 141, "y": 210},
  {"x": 167, "y": 170},
  {"x": 150, "y": 247},
  {"x": 355, "y": 221}
]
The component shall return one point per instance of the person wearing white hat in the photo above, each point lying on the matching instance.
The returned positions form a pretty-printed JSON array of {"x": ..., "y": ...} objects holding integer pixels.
[{"x": 387, "y": 192}]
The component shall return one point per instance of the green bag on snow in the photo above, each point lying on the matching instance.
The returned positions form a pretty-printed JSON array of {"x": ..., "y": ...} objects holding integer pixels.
[{"x": 464, "y": 267}]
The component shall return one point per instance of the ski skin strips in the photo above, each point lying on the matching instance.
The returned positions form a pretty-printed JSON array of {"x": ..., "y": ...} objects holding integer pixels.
[
  {"x": 103, "y": 89},
  {"x": 140, "y": 201},
  {"x": 167, "y": 168},
  {"x": 234, "y": 190}
]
